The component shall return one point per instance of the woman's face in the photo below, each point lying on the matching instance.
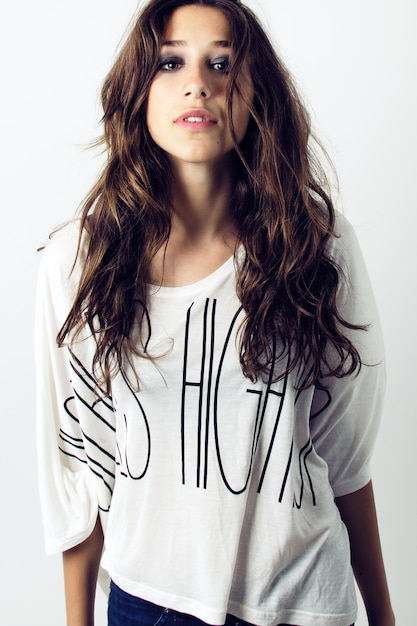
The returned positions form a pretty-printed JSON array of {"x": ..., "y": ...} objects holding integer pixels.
[{"x": 186, "y": 109}]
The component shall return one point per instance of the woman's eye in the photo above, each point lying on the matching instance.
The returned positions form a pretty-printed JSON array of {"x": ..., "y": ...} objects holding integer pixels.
[
  {"x": 172, "y": 64},
  {"x": 169, "y": 64},
  {"x": 221, "y": 65}
]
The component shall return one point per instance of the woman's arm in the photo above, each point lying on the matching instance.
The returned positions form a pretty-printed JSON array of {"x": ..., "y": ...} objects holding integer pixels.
[
  {"x": 81, "y": 565},
  {"x": 359, "y": 515}
]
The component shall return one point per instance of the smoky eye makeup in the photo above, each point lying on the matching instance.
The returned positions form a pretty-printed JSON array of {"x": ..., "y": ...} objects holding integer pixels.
[
  {"x": 221, "y": 64},
  {"x": 169, "y": 63}
]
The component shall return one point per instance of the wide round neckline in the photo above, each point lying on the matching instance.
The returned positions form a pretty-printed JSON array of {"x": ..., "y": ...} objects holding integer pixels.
[{"x": 197, "y": 286}]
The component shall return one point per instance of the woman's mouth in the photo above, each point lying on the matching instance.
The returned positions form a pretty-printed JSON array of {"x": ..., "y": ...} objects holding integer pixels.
[{"x": 195, "y": 120}]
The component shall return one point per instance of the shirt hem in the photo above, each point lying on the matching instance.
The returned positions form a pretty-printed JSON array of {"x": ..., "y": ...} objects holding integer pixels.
[
  {"x": 291, "y": 616},
  {"x": 216, "y": 618}
]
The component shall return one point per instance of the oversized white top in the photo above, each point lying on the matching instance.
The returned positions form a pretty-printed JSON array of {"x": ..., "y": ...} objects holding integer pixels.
[{"x": 216, "y": 494}]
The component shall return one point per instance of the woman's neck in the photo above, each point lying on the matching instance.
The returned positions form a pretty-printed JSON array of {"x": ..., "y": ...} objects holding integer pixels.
[
  {"x": 203, "y": 233},
  {"x": 201, "y": 201}
]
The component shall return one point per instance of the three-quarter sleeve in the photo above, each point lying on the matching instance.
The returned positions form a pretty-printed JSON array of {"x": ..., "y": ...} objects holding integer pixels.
[
  {"x": 346, "y": 411},
  {"x": 75, "y": 419}
]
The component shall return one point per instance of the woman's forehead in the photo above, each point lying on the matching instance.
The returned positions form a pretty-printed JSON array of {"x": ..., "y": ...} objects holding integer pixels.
[{"x": 194, "y": 21}]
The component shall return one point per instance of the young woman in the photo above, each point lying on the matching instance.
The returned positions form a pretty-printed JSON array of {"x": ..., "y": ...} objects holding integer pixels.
[{"x": 210, "y": 368}]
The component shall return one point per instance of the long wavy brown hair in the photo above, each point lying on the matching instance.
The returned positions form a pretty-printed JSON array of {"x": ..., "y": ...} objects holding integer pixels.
[{"x": 287, "y": 283}]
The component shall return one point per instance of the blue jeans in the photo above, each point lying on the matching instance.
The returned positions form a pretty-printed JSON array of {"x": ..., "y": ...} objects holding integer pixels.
[{"x": 127, "y": 610}]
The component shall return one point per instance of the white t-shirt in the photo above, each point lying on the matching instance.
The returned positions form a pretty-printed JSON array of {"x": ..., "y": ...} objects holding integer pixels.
[{"x": 216, "y": 494}]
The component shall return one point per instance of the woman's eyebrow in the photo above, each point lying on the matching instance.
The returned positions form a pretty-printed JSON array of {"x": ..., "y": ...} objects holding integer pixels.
[{"x": 177, "y": 43}]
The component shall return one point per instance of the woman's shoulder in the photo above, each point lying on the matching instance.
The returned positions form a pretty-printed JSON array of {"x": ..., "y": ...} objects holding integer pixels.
[
  {"x": 343, "y": 228},
  {"x": 65, "y": 243},
  {"x": 64, "y": 254},
  {"x": 343, "y": 246}
]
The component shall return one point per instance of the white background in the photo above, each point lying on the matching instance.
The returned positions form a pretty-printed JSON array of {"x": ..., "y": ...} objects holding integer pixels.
[{"x": 356, "y": 63}]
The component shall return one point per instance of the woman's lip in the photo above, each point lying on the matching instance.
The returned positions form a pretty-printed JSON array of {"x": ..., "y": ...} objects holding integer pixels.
[{"x": 195, "y": 116}]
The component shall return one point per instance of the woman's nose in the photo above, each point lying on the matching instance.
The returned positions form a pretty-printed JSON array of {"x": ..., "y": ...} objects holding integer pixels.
[{"x": 196, "y": 84}]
